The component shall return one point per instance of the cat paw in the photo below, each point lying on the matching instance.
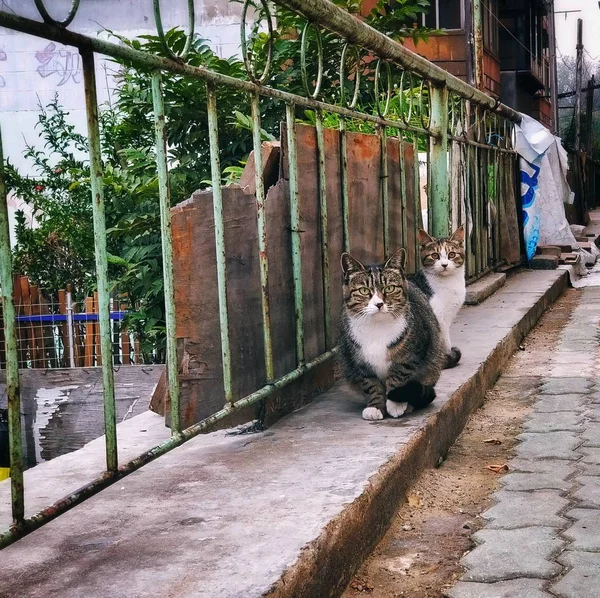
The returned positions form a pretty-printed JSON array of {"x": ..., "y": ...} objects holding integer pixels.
[
  {"x": 372, "y": 414},
  {"x": 452, "y": 358},
  {"x": 395, "y": 409}
]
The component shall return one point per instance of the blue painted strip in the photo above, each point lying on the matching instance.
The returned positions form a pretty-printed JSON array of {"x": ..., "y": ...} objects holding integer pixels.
[{"x": 54, "y": 318}]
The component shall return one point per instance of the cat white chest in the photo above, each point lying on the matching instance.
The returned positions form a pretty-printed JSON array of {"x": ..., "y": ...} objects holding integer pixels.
[
  {"x": 374, "y": 334},
  {"x": 448, "y": 296}
]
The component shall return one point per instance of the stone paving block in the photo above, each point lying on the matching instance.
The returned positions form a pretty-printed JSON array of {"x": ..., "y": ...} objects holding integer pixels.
[
  {"x": 585, "y": 532},
  {"x": 522, "y": 509},
  {"x": 563, "y": 386},
  {"x": 562, "y": 370},
  {"x": 508, "y": 554},
  {"x": 554, "y": 422},
  {"x": 583, "y": 580},
  {"x": 592, "y": 412},
  {"x": 525, "y": 482},
  {"x": 591, "y": 434},
  {"x": 521, "y": 588},
  {"x": 581, "y": 346},
  {"x": 552, "y": 445},
  {"x": 588, "y": 495},
  {"x": 563, "y": 403},
  {"x": 591, "y": 455},
  {"x": 560, "y": 467},
  {"x": 560, "y": 356}
]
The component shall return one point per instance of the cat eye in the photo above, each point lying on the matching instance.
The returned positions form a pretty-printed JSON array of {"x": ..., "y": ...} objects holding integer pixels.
[
  {"x": 435, "y": 256},
  {"x": 392, "y": 288},
  {"x": 452, "y": 255},
  {"x": 364, "y": 291}
]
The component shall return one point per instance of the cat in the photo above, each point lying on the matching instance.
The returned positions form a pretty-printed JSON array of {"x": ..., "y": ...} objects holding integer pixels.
[
  {"x": 390, "y": 343},
  {"x": 442, "y": 280}
]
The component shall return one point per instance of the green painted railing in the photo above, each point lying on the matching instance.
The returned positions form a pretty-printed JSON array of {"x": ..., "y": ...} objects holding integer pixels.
[{"x": 469, "y": 163}]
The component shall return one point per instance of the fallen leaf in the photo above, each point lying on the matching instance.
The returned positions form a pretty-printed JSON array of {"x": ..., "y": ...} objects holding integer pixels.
[
  {"x": 493, "y": 441},
  {"x": 497, "y": 468},
  {"x": 414, "y": 501}
]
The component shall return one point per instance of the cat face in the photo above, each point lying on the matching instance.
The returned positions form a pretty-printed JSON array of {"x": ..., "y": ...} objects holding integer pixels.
[
  {"x": 442, "y": 257},
  {"x": 375, "y": 291}
]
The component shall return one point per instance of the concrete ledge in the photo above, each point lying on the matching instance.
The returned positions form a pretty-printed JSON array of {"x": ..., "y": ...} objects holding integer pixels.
[
  {"x": 290, "y": 512},
  {"x": 479, "y": 291}
]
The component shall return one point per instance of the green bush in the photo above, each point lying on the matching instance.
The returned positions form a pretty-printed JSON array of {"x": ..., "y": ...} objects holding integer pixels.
[{"x": 60, "y": 249}]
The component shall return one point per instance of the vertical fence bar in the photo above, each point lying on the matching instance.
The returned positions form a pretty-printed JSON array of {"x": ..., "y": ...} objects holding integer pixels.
[
  {"x": 70, "y": 334},
  {"x": 166, "y": 234},
  {"x": 385, "y": 200},
  {"x": 477, "y": 205},
  {"x": 261, "y": 220},
  {"x": 402, "y": 166},
  {"x": 15, "y": 443},
  {"x": 324, "y": 240},
  {"x": 418, "y": 217},
  {"x": 215, "y": 168},
  {"x": 438, "y": 191},
  {"x": 344, "y": 182},
  {"x": 469, "y": 224},
  {"x": 110, "y": 425},
  {"x": 290, "y": 118}
]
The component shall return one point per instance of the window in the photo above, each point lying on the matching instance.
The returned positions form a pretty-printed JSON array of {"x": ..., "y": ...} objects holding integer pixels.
[
  {"x": 490, "y": 25},
  {"x": 444, "y": 14}
]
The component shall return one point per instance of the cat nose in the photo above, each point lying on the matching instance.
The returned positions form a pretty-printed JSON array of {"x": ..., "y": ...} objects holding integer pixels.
[
  {"x": 444, "y": 265},
  {"x": 379, "y": 305}
]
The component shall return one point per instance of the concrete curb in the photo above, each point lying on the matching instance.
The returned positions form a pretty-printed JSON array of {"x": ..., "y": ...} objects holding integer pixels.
[{"x": 327, "y": 564}]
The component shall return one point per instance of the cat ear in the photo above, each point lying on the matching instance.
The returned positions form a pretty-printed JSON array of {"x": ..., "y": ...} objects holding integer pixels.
[
  {"x": 425, "y": 237},
  {"x": 396, "y": 261},
  {"x": 458, "y": 235},
  {"x": 350, "y": 265}
]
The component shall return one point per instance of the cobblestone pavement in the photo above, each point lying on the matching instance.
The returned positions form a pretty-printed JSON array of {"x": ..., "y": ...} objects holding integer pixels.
[{"x": 542, "y": 536}]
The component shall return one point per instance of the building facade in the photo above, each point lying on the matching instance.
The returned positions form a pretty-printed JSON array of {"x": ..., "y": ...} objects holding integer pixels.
[{"x": 506, "y": 48}]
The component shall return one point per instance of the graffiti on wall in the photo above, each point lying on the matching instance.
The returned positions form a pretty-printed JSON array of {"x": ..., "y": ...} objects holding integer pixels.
[{"x": 62, "y": 62}]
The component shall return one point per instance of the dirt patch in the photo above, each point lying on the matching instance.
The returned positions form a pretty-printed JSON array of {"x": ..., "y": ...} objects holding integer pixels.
[{"x": 419, "y": 556}]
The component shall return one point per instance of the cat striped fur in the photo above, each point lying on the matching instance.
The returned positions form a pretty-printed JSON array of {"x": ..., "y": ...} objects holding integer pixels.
[{"x": 390, "y": 344}]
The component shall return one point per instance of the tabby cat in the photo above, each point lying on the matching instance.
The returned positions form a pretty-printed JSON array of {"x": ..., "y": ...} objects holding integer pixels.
[
  {"x": 442, "y": 280},
  {"x": 390, "y": 343}
]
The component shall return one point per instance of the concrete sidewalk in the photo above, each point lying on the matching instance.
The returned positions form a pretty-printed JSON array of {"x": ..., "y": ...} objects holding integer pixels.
[
  {"x": 542, "y": 537},
  {"x": 288, "y": 512}
]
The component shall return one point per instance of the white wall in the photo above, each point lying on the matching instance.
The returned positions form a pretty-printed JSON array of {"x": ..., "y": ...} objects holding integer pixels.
[{"x": 32, "y": 69}]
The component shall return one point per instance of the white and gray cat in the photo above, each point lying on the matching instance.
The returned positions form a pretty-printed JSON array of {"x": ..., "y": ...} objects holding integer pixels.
[
  {"x": 442, "y": 280},
  {"x": 390, "y": 344}
]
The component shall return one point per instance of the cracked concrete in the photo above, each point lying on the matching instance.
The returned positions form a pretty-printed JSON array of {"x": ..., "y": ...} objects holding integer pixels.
[{"x": 542, "y": 538}]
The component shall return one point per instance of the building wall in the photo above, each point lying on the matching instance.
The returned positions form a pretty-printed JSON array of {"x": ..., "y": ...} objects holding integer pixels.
[{"x": 33, "y": 70}]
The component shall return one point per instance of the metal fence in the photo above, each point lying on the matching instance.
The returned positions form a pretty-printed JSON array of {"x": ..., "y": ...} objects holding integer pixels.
[
  {"x": 55, "y": 331},
  {"x": 465, "y": 134}
]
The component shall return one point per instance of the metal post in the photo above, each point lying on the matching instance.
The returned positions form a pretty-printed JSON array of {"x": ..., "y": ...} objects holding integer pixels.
[
  {"x": 438, "y": 192},
  {"x": 15, "y": 446},
  {"x": 324, "y": 231},
  {"x": 589, "y": 115},
  {"x": 383, "y": 174},
  {"x": 478, "y": 44},
  {"x": 261, "y": 220},
  {"x": 295, "y": 229},
  {"x": 344, "y": 183},
  {"x": 553, "y": 66},
  {"x": 164, "y": 193},
  {"x": 69, "y": 297},
  {"x": 578, "y": 76},
  {"x": 91, "y": 100},
  {"x": 402, "y": 168},
  {"x": 215, "y": 169}
]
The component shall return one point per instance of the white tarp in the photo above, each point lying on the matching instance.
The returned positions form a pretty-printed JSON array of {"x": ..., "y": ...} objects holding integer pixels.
[{"x": 544, "y": 187}]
